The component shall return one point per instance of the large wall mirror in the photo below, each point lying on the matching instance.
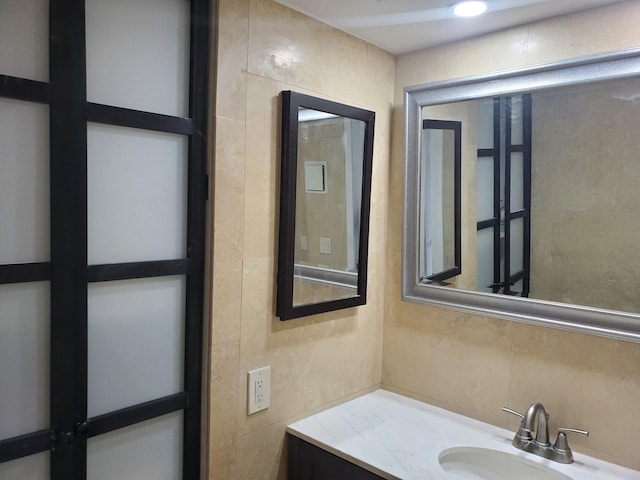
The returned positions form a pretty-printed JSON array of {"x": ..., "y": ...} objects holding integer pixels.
[
  {"x": 325, "y": 191},
  {"x": 550, "y": 197}
]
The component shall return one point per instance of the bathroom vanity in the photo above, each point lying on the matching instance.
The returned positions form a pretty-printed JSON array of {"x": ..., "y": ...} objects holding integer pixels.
[
  {"x": 306, "y": 461},
  {"x": 389, "y": 436}
]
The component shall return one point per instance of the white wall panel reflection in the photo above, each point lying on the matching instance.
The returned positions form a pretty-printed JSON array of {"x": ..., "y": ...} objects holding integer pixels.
[{"x": 485, "y": 259}]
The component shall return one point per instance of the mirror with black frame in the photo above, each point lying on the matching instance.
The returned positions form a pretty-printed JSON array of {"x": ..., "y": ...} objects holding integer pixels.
[
  {"x": 325, "y": 191},
  {"x": 439, "y": 218},
  {"x": 551, "y": 204}
]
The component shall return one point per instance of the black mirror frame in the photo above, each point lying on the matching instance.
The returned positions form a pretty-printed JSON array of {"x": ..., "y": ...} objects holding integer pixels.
[
  {"x": 290, "y": 103},
  {"x": 456, "y": 127}
]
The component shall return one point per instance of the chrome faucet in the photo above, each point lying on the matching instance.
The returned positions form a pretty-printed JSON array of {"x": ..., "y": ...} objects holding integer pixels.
[
  {"x": 535, "y": 411},
  {"x": 540, "y": 445}
]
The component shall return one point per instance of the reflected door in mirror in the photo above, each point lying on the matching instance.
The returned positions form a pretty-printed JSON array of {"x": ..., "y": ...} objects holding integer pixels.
[
  {"x": 328, "y": 205},
  {"x": 439, "y": 209}
]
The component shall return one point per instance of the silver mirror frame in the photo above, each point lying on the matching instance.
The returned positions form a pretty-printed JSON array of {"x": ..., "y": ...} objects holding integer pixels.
[{"x": 584, "y": 319}]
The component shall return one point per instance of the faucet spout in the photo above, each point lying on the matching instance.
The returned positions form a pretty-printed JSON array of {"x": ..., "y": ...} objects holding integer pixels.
[{"x": 537, "y": 412}]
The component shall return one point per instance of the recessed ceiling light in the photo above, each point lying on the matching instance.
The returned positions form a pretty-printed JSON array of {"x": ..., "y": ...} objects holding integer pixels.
[{"x": 469, "y": 8}]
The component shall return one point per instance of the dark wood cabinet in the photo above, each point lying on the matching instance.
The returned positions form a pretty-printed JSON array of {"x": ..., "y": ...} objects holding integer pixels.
[{"x": 308, "y": 462}]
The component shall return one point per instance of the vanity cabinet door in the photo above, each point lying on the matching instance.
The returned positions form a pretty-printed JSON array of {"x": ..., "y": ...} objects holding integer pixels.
[{"x": 308, "y": 462}]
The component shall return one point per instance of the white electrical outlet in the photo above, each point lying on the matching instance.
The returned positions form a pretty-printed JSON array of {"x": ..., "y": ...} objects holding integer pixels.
[{"x": 259, "y": 389}]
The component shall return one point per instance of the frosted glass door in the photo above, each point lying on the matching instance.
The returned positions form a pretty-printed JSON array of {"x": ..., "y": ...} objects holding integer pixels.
[
  {"x": 151, "y": 449},
  {"x": 145, "y": 182},
  {"x": 138, "y": 54},
  {"x": 25, "y": 256},
  {"x": 24, "y": 39},
  {"x": 24, "y": 182},
  {"x": 24, "y": 358},
  {"x": 137, "y": 208},
  {"x": 137, "y": 195},
  {"x": 34, "y": 467},
  {"x": 103, "y": 114},
  {"x": 136, "y": 342}
]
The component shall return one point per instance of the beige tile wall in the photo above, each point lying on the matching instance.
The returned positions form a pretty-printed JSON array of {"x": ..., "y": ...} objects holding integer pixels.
[
  {"x": 475, "y": 365},
  {"x": 264, "y": 48},
  {"x": 469, "y": 364}
]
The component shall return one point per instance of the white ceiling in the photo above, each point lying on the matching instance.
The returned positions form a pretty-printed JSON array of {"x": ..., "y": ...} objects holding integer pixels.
[{"x": 400, "y": 26}]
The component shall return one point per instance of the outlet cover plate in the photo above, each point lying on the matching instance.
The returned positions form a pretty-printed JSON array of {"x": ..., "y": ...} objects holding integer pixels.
[{"x": 258, "y": 389}]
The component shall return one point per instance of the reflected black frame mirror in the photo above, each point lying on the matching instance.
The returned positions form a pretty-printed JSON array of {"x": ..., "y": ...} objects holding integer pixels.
[
  {"x": 325, "y": 287},
  {"x": 440, "y": 201}
]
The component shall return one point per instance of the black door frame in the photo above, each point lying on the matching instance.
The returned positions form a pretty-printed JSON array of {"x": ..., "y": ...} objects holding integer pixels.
[
  {"x": 503, "y": 278},
  {"x": 511, "y": 278},
  {"x": 68, "y": 272}
]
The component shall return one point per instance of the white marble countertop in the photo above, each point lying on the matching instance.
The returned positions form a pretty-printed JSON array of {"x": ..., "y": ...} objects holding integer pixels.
[{"x": 400, "y": 438}]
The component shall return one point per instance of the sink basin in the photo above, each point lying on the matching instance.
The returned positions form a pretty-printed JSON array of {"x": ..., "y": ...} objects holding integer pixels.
[{"x": 471, "y": 463}]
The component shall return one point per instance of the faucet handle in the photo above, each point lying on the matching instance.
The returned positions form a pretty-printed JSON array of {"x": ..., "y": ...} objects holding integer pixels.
[
  {"x": 561, "y": 442},
  {"x": 573, "y": 430},
  {"x": 523, "y": 434},
  {"x": 512, "y": 412},
  {"x": 561, "y": 447}
]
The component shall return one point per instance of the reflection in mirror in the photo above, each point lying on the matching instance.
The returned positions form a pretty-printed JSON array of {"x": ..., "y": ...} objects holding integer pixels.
[
  {"x": 324, "y": 209},
  {"x": 439, "y": 211},
  {"x": 328, "y": 203},
  {"x": 552, "y": 204},
  {"x": 503, "y": 194}
]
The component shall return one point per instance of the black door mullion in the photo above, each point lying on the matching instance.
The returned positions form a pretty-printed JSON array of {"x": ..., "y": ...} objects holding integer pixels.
[
  {"x": 24, "y": 445},
  {"x": 127, "y": 271},
  {"x": 126, "y": 117},
  {"x": 527, "y": 126},
  {"x": 525, "y": 149},
  {"x": 25, "y": 272},
  {"x": 507, "y": 200},
  {"x": 24, "y": 89},
  {"x": 494, "y": 223},
  {"x": 197, "y": 192},
  {"x": 497, "y": 147},
  {"x": 135, "y": 414},
  {"x": 68, "y": 150}
]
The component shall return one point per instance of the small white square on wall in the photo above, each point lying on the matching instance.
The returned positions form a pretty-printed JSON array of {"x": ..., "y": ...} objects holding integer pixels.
[{"x": 315, "y": 177}]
